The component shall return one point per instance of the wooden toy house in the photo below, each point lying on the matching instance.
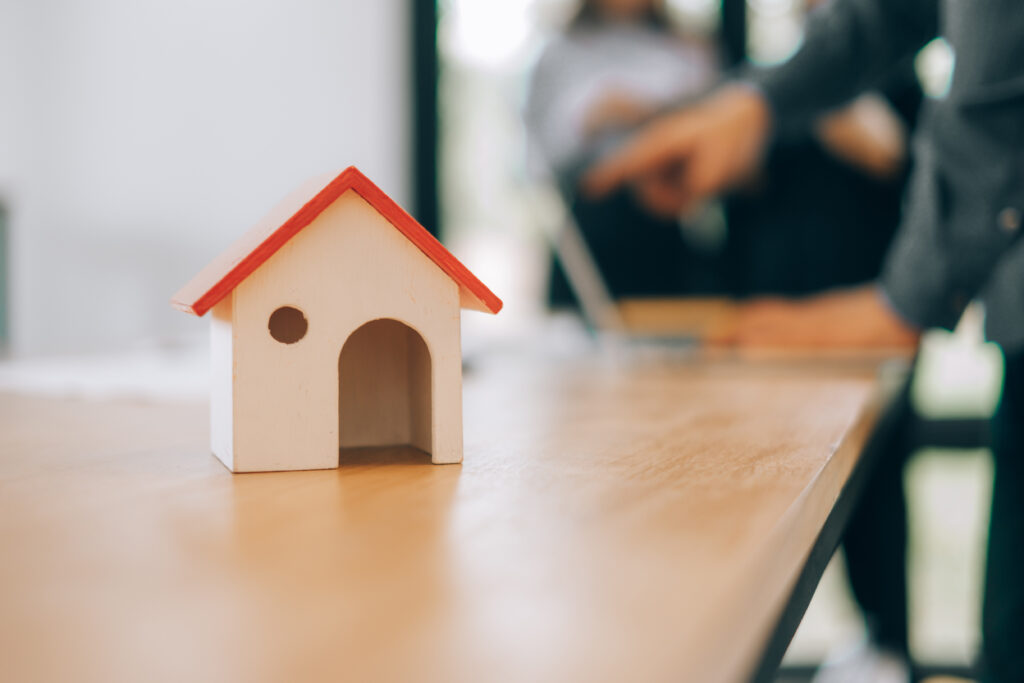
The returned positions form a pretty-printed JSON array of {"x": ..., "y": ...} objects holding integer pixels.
[{"x": 335, "y": 323}]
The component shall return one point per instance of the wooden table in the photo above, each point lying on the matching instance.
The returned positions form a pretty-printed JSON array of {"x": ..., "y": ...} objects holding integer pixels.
[{"x": 640, "y": 522}]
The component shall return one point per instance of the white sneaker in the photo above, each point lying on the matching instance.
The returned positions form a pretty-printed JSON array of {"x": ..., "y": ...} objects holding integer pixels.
[{"x": 864, "y": 663}]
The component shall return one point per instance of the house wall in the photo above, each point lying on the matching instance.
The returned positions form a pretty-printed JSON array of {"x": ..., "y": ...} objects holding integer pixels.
[
  {"x": 138, "y": 139},
  {"x": 222, "y": 370},
  {"x": 347, "y": 267}
]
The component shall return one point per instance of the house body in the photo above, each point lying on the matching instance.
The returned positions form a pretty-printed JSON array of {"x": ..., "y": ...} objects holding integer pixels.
[{"x": 335, "y": 324}]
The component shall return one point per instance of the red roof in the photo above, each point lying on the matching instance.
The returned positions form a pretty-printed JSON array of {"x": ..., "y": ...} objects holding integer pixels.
[{"x": 221, "y": 276}]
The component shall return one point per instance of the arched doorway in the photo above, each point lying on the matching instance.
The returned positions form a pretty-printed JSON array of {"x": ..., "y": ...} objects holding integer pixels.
[{"x": 384, "y": 388}]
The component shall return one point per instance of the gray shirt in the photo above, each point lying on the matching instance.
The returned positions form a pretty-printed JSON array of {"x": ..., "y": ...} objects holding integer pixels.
[
  {"x": 959, "y": 234},
  {"x": 579, "y": 68}
]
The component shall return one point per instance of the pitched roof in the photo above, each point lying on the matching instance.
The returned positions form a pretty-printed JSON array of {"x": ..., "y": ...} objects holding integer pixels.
[{"x": 225, "y": 272}]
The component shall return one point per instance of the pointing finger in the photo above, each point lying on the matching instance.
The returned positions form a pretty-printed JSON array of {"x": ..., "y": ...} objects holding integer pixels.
[{"x": 651, "y": 149}]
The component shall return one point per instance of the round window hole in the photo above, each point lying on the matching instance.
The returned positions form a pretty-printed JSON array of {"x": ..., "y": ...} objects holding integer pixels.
[{"x": 288, "y": 325}]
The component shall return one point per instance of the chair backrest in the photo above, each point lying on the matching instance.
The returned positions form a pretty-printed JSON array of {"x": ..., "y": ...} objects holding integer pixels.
[{"x": 588, "y": 284}]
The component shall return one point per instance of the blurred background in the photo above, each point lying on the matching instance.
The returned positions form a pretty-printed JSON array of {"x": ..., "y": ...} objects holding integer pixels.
[{"x": 138, "y": 139}]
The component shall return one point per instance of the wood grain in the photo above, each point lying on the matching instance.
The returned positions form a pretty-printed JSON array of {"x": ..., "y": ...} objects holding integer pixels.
[
  {"x": 637, "y": 523},
  {"x": 710, "y": 320}
]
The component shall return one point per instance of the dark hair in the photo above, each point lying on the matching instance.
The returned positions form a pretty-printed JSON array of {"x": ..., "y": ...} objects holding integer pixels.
[{"x": 589, "y": 15}]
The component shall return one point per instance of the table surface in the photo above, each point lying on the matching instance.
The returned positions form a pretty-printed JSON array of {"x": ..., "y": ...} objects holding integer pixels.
[{"x": 611, "y": 521}]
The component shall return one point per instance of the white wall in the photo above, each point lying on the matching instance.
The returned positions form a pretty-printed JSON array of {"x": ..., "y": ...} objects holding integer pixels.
[{"x": 138, "y": 138}]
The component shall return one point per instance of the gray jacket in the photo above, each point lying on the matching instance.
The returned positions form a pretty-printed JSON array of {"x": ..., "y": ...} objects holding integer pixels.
[{"x": 959, "y": 234}]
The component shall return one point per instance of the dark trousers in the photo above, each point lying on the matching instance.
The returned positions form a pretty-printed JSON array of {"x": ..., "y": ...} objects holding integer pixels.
[
  {"x": 638, "y": 255},
  {"x": 876, "y": 538},
  {"x": 1003, "y": 608}
]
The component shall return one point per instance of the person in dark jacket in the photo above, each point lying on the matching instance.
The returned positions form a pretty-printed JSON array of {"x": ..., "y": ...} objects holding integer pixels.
[{"x": 959, "y": 237}]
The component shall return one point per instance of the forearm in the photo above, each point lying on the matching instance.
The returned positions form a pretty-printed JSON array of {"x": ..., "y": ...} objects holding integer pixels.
[
  {"x": 867, "y": 134},
  {"x": 849, "y": 46}
]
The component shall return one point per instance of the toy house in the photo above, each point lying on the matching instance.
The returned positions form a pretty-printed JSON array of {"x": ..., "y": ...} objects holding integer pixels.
[{"x": 334, "y": 324}]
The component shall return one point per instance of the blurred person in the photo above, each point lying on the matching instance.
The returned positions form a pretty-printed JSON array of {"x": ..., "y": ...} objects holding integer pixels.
[
  {"x": 847, "y": 171},
  {"x": 958, "y": 239},
  {"x": 615, "y": 64}
]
